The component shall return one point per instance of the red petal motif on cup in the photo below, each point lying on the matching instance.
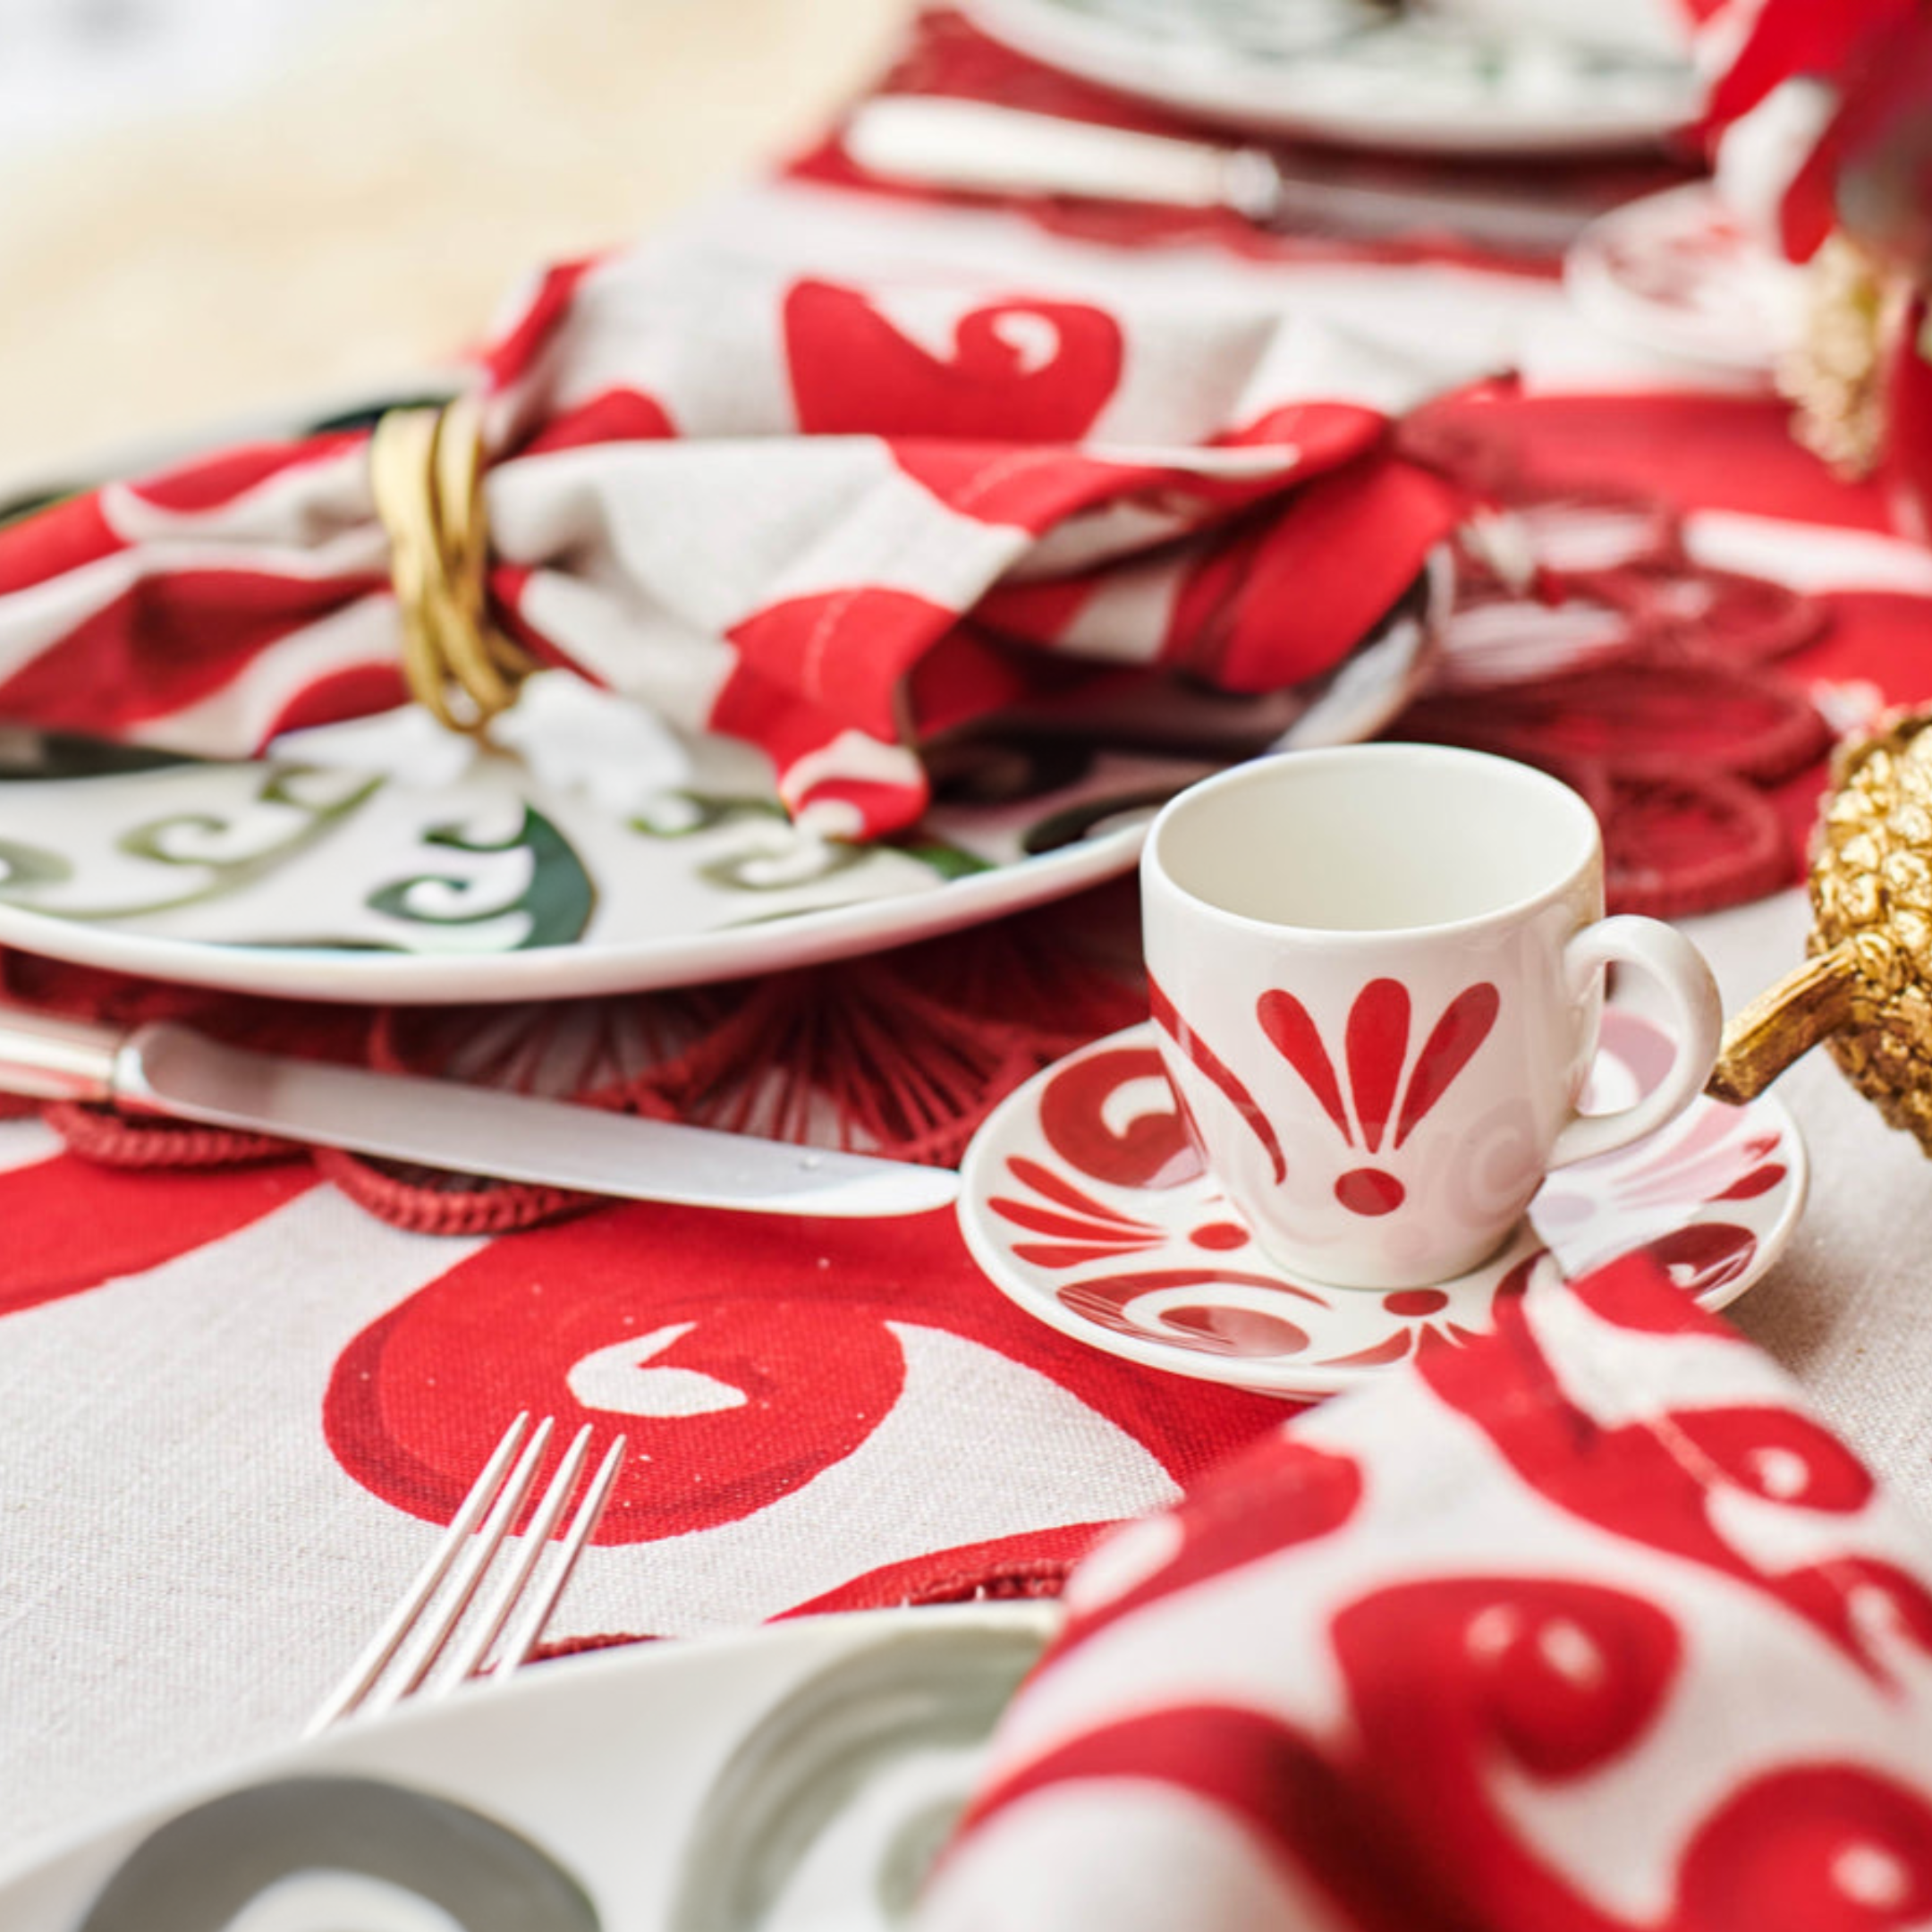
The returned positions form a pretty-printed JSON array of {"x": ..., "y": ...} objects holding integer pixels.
[
  {"x": 1376, "y": 1046},
  {"x": 1378, "y": 1039},
  {"x": 1464, "y": 1026},
  {"x": 1370, "y": 1192},
  {"x": 1286, "y": 1022},
  {"x": 1167, "y": 1018}
]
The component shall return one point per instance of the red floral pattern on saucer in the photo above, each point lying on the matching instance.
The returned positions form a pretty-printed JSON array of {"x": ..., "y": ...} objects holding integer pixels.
[{"x": 1085, "y": 1202}]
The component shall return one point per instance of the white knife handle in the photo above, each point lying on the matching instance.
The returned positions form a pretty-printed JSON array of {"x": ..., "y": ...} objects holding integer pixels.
[
  {"x": 978, "y": 148},
  {"x": 50, "y": 1059}
]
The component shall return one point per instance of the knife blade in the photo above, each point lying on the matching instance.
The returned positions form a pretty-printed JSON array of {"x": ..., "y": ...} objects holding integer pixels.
[{"x": 165, "y": 1068}]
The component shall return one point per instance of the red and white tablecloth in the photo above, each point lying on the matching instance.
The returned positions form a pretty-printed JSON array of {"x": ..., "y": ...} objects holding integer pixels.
[{"x": 237, "y": 1404}]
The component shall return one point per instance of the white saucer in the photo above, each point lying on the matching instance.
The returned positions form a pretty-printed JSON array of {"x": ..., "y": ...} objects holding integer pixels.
[
  {"x": 1084, "y": 1202},
  {"x": 1677, "y": 273}
]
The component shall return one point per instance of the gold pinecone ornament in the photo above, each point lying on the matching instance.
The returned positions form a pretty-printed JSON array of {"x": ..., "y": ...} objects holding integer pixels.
[{"x": 1867, "y": 987}]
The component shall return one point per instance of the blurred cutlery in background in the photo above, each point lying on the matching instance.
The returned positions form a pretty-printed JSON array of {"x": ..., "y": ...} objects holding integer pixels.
[{"x": 975, "y": 148}]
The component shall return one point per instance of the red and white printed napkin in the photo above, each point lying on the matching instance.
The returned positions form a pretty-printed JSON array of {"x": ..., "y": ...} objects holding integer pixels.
[
  {"x": 1588, "y": 1628},
  {"x": 829, "y": 514},
  {"x": 1816, "y": 121}
]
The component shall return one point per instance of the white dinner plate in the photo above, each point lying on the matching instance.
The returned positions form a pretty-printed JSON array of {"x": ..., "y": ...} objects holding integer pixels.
[
  {"x": 387, "y": 860},
  {"x": 803, "y": 1774},
  {"x": 1349, "y": 74}
]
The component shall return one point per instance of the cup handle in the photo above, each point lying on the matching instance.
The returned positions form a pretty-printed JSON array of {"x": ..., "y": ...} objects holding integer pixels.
[{"x": 1665, "y": 955}]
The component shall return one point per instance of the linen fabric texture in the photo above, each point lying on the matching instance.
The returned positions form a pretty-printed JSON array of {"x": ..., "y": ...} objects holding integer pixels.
[
  {"x": 1591, "y": 1624},
  {"x": 832, "y": 515}
]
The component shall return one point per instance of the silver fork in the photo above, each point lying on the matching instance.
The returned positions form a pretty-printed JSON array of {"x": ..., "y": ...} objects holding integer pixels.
[{"x": 427, "y": 1626}]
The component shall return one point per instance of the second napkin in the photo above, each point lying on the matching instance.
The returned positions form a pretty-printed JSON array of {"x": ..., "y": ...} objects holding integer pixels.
[
  {"x": 827, "y": 514},
  {"x": 1590, "y": 1626}
]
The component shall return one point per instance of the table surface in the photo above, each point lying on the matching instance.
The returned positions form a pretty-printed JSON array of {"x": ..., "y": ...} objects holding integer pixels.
[
  {"x": 179, "y": 224},
  {"x": 323, "y": 196},
  {"x": 1843, "y": 1310}
]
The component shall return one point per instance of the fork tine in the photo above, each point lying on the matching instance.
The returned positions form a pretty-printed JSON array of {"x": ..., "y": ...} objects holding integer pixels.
[
  {"x": 477, "y": 1641},
  {"x": 384, "y": 1645},
  {"x": 522, "y": 1639},
  {"x": 434, "y": 1631}
]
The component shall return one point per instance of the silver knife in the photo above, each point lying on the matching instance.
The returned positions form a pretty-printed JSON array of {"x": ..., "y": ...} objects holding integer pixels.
[
  {"x": 164, "y": 1068},
  {"x": 976, "y": 148}
]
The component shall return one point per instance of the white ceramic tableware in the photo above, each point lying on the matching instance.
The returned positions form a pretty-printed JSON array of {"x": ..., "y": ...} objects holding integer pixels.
[
  {"x": 1391, "y": 80},
  {"x": 1377, "y": 980},
  {"x": 385, "y": 860},
  {"x": 1087, "y": 1205},
  {"x": 1639, "y": 29},
  {"x": 1679, "y": 274},
  {"x": 770, "y": 1780}
]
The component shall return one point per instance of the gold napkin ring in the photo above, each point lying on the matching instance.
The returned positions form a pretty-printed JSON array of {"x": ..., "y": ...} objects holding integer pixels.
[{"x": 426, "y": 468}]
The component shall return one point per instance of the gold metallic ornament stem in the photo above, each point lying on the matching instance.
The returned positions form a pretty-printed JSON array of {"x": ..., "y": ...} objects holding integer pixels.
[
  {"x": 1835, "y": 369},
  {"x": 1802, "y": 1009},
  {"x": 426, "y": 470}
]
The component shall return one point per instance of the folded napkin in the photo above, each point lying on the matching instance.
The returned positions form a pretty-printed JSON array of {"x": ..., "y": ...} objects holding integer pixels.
[
  {"x": 1817, "y": 122},
  {"x": 1592, "y": 1625},
  {"x": 832, "y": 515}
]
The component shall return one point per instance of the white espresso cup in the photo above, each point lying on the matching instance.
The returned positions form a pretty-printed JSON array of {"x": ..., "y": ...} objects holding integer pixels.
[{"x": 1377, "y": 974}]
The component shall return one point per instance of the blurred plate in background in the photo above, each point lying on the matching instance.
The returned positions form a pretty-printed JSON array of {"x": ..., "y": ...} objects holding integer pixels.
[
  {"x": 1349, "y": 72},
  {"x": 1677, "y": 273}
]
